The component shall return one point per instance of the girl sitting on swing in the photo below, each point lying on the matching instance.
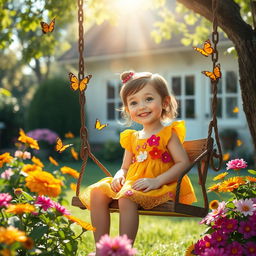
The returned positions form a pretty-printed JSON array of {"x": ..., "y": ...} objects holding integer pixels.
[{"x": 153, "y": 158}]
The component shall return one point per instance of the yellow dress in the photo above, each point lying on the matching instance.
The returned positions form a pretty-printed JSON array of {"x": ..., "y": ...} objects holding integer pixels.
[{"x": 150, "y": 159}]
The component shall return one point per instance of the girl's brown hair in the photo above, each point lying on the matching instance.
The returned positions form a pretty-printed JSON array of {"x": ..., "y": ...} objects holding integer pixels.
[{"x": 136, "y": 82}]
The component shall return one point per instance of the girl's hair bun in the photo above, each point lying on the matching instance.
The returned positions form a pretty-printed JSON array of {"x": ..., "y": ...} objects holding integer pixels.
[{"x": 125, "y": 74}]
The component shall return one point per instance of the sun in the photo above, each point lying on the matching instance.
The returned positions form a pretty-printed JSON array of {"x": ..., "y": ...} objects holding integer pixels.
[{"x": 130, "y": 6}]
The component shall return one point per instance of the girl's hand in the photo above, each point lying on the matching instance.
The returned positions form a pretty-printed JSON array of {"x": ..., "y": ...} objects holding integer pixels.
[
  {"x": 117, "y": 183},
  {"x": 146, "y": 184}
]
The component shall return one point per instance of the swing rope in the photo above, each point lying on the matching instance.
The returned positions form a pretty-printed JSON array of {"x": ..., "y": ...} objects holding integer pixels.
[{"x": 85, "y": 150}]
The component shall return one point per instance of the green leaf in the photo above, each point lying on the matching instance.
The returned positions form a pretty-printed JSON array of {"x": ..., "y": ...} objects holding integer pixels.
[
  {"x": 61, "y": 234},
  {"x": 252, "y": 171},
  {"x": 27, "y": 196},
  {"x": 38, "y": 232}
]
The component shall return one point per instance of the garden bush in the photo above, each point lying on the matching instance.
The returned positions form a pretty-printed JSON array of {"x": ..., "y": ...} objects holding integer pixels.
[{"x": 56, "y": 107}]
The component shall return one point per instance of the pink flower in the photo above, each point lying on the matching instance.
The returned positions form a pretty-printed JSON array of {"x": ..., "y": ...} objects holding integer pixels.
[
  {"x": 229, "y": 225},
  {"x": 129, "y": 193},
  {"x": 234, "y": 249},
  {"x": 26, "y": 155},
  {"x": 236, "y": 164},
  {"x": 6, "y": 175},
  {"x": 246, "y": 228},
  {"x": 153, "y": 141},
  {"x": 18, "y": 154},
  {"x": 203, "y": 244},
  {"x": 166, "y": 157},
  {"x": 250, "y": 249},
  {"x": 5, "y": 198},
  {"x": 219, "y": 238},
  {"x": 117, "y": 246},
  {"x": 214, "y": 252},
  {"x": 61, "y": 209},
  {"x": 45, "y": 202},
  {"x": 245, "y": 206},
  {"x": 23, "y": 155}
]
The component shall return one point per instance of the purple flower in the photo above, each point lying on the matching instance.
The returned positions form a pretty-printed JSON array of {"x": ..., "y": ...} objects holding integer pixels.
[
  {"x": 166, "y": 157},
  {"x": 250, "y": 249},
  {"x": 6, "y": 175},
  {"x": 236, "y": 164},
  {"x": 129, "y": 193},
  {"x": 203, "y": 244},
  {"x": 61, "y": 209},
  {"x": 45, "y": 202},
  {"x": 43, "y": 135},
  {"x": 246, "y": 228},
  {"x": 117, "y": 246},
  {"x": 219, "y": 238},
  {"x": 5, "y": 198},
  {"x": 214, "y": 252},
  {"x": 229, "y": 225},
  {"x": 153, "y": 141},
  {"x": 234, "y": 249}
]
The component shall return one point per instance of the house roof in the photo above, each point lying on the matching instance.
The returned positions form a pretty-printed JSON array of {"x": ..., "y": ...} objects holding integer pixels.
[{"x": 130, "y": 36}]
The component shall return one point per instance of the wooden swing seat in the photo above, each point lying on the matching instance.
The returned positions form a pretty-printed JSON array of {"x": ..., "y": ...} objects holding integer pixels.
[{"x": 199, "y": 153}]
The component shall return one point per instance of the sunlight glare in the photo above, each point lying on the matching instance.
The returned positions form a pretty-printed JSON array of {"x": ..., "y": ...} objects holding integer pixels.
[{"x": 130, "y": 6}]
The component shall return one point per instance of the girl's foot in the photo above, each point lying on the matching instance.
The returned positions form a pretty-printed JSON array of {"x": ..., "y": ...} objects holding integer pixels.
[{"x": 92, "y": 254}]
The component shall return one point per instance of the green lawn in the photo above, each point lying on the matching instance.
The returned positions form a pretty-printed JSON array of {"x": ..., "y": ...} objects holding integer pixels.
[{"x": 168, "y": 236}]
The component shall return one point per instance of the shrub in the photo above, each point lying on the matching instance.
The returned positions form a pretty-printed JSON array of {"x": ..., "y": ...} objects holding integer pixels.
[{"x": 55, "y": 107}]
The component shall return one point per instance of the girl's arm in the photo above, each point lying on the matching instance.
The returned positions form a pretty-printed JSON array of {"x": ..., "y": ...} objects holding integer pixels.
[
  {"x": 120, "y": 175},
  {"x": 181, "y": 161}
]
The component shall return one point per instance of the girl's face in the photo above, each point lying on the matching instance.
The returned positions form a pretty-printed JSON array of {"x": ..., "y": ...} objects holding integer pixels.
[{"x": 145, "y": 107}]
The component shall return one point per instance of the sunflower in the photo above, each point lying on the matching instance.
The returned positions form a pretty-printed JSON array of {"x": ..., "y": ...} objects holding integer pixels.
[
  {"x": 27, "y": 168},
  {"x": 28, "y": 140},
  {"x": 220, "y": 176},
  {"x": 84, "y": 225},
  {"x": 37, "y": 161},
  {"x": 231, "y": 184},
  {"x": 250, "y": 178},
  {"x": 189, "y": 250},
  {"x": 53, "y": 161},
  {"x": 5, "y": 158},
  {"x": 20, "y": 208},
  {"x": 69, "y": 171},
  {"x": 213, "y": 187},
  {"x": 214, "y": 204},
  {"x": 43, "y": 183},
  {"x": 11, "y": 234}
]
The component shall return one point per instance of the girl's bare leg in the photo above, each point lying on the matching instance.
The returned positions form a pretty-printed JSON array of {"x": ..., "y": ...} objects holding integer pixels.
[
  {"x": 129, "y": 218},
  {"x": 100, "y": 216}
]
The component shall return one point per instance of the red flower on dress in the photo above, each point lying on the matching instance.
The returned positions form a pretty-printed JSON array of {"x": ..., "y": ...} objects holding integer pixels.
[
  {"x": 155, "y": 153},
  {"x": 153, "y": 141},
  {"x": 166, "y": 158}
]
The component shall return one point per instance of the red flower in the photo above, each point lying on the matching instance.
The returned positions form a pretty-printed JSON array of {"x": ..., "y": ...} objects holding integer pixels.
[
  {"x": 153, "y": 141},
  {"x": 155, "y": 153},
  {"x": 166, "y": 157}
]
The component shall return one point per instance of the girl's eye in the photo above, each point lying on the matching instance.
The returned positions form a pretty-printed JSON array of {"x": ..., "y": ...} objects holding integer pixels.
[
  {"x": 149, "y": 99},
  {"x": 132, "y": 103}
]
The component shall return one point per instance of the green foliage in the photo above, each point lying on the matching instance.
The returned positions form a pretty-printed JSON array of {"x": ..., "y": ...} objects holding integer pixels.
[
  {"x": 111, "y": 151},
  {"x": 55, "y": 107}
]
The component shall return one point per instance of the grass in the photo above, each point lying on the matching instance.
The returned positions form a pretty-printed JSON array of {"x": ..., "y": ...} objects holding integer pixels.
[{"x": 162, "y": 236}]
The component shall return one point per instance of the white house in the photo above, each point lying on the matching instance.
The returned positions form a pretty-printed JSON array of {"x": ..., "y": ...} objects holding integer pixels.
[{"x": 109, "y": 50}]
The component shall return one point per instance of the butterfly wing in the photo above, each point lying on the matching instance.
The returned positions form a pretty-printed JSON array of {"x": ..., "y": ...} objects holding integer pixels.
[
  {"x": 217, "y": 71},
  {"x": 51, "y": 25},
  {"x": 74, "y": 83},
  {"x": 210, "y": 75},
  {"x": 84, "y": 82},
  {"x": 201, "y": 51},
  {"x": 45, "y": 27},
  {"x": 59, "y": 144},
  {"x": 208, "y": 47},
  {"x": 99, "y": 126}
]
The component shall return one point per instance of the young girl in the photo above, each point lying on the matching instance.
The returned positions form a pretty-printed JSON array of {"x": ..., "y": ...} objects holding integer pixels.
[{"x": 153, "y": 158}]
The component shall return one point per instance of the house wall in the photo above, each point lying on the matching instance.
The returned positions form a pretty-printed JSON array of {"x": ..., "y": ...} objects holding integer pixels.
[{"x": 168, "y": 64}]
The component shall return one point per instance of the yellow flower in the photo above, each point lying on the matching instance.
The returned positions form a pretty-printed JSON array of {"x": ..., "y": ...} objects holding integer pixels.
[
  {"x": 250, "y": 178},
  {"x": 11, "y": 234},
  {"x": 43, "y": 183},
  {"x": 5, "y": 252},
  {"x": 214, "y": 204},
  {"x": 69, "y": 171},
  {"x": 69, "y": 135},
  {"x": 20, "y": 208},
  {"x": 220, "y": 176},
  {"x": 27, "y": 168},
  {"x": 226, "y": 156},
  {"x": 231, "y": 184},
  {"x": 29, "y": 243},
  {"x": 73, "y": 186},
  {"x": 84, "y": 225},
  {"x": 37, "y": 161},
  {"x": 28, "y": 140},
  {"x": 74, "y": 153},
  {"x": 5, "y": 158},
  {"x": 213, "y": 187},
  {"x": 189, "y": 250},
  {"x": 53, "y": 161},
  {"x": 18, "y": 191}
]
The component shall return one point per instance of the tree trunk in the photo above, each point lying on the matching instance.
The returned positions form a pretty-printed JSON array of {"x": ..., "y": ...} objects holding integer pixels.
[{"x": 244, "y": 39}]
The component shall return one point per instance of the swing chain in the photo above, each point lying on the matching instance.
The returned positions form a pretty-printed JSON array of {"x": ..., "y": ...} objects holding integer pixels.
[{"x": 214, "y": 86}]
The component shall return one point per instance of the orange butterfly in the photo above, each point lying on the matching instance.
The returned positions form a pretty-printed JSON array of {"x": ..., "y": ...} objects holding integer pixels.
[
  {"x": 206, "y": 50},
  {"x": 99, "y": 126},
  {"x": 215, "y": 75},
  {"x": 47, "y": 28},
  {"x": 60, "y": 147},
  {"x": 75, "y": 84},
  {"x": 74, "y": 153}
]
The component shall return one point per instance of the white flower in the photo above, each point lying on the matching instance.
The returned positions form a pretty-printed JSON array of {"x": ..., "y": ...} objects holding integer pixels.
[
  {"x": 142, "y": 156},
  {"x": 245, "y": 206}
]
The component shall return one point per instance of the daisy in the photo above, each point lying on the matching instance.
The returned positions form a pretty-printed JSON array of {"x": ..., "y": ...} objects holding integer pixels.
[{"x": 245, "y": 206}]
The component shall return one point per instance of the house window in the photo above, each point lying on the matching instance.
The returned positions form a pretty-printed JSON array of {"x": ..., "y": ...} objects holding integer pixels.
[
  {"x": 227, "y": 95},
  {"x": 183, "y": 88},
  {"x": 113, "y": 100}
]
